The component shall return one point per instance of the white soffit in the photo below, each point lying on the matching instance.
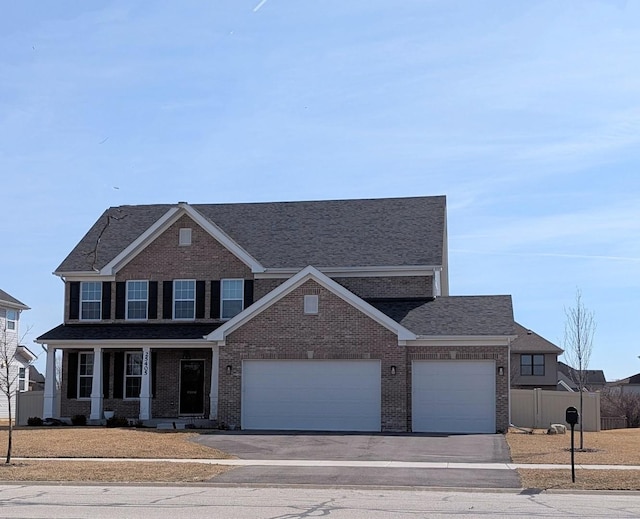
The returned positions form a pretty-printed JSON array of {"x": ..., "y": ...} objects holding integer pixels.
[{"x": 306, "y": 274}]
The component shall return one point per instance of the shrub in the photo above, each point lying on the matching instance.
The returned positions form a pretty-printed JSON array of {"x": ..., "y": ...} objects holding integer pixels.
[
  {"x": 34, "y": 421},
  {"x": 79, "y": 419},
  {"x": 117, "y": 421}
]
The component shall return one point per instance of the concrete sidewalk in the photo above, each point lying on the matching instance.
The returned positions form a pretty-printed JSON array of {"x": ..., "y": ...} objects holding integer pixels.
[{"x": 346, "y": 463}]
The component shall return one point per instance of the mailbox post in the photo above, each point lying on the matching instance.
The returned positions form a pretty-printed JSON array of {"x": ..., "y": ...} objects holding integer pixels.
[{"x": 572, "y": 417}]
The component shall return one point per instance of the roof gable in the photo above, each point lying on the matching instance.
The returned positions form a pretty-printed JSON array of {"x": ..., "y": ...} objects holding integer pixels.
[
  {"x": 306, "y": 274},
  {"x": 289, "y": 235},
  {"x": 529, "y": 341},
  {"x": 8, "y": 301}
]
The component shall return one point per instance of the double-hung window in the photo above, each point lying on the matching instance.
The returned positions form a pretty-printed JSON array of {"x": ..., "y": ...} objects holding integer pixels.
[
  {"x": 532, "y": 364},
  {"x": 12, "y": 319},
  {"x": 137, "y": 299},
  {"x": 85, "y": 374},
  {"x": 22, "y": 379},
  {"x": 232, "y": 297},
  {"x": 184, "y": 299},
  {"x": 90, "y": 300},
  {"x": 133, "y": 374}
]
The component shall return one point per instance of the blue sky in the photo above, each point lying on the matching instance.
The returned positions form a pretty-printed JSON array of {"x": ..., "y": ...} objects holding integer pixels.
[{"x": 526, "y": 114}]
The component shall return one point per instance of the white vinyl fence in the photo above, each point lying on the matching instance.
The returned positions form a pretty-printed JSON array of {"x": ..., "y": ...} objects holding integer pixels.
[
  {"x": 538, "y": 409},
  {"x": 30, "y": 403}
]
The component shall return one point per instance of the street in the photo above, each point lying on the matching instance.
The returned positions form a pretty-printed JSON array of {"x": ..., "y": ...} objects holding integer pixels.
[{"x": 193, "y": 502}]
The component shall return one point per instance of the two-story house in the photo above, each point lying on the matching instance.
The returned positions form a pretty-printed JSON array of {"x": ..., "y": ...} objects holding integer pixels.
[
  {"x": 534, "y": 361},
  {"x": 325, "y": 315},
  {"x": 16, "y": 378}
]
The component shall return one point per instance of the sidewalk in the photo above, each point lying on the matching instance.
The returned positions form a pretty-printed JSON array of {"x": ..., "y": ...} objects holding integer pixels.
[{"x": 346, "y": 463}]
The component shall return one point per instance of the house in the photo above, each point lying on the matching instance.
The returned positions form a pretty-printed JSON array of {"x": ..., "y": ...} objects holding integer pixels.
[
  {"x": 534, "y": 361},
  {"x": 323, "y": 316},
  {"x": 18, "y": 357},
  {"x": 568, "y": 378},
  {"x": 629, "y": 385}
]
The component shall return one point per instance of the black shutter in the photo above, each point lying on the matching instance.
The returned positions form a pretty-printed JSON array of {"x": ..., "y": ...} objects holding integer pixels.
[
  {"x": 106, "y": 299},
  {"x": 153, "y": 299},
  {"x": 105, "y": 374},
  {"x": 215, "y": 299},
  {"x": 200, "y": 299},
  {"x": 121, "y": 299},
  {"x": 167, "y": 299},
  {"x": 248, "y": 292},
  {"x": 72, "y": 374},
  {"x": 74, "y": 300},
  {"x": 154, "y": 362},
  {"x": 118, "y": 374}
]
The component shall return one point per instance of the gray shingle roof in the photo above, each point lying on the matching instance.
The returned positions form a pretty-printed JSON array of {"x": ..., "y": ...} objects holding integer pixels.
[
  {"x": 12, "y": 301},
  {"x": 529, "y": 341},
  {"x": 453, "y": 315},
  {"x": 592, "y": 376},
  {"x": 116, "y": 331},
  {"x": 333, "y": 233}
]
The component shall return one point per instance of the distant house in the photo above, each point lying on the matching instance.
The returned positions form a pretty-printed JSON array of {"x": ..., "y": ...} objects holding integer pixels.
[
  {"x": 629, "y": 385},
  {"x": 19, "y": 356},
  {"x": 534, "y": 361},
  {"x": 568, "y": 378}
]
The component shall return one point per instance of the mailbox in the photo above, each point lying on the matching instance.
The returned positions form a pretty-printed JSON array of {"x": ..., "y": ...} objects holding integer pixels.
[{"x": 572, "y": 416}]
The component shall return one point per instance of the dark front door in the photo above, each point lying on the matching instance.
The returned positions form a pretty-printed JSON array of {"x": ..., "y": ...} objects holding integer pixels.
[{"x": 192, "y": 387}]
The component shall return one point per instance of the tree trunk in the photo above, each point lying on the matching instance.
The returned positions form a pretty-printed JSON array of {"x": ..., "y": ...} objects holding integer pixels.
[
  {"x": 581, "y": 420},
  {"x": 10, "y": 442}
]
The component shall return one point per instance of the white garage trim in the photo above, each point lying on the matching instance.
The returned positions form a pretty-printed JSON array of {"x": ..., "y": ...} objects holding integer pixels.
[
  {"x": 311, "y": 395},
  {"x": 457, "y": 396}
]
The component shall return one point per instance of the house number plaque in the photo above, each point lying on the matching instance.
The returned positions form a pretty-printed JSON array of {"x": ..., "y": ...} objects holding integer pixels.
[{"x": 145, "y": 363}]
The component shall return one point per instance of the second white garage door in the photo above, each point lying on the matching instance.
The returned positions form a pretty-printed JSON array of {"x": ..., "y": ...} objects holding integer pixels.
[
  {"x": 311, "y": 395},
  {"x": 453, "y": 396}
]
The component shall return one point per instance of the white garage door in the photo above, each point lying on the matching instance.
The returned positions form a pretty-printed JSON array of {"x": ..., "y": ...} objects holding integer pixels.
[
  {"x": 311, "y": 395},
  {"x": 454, "y": 396}
]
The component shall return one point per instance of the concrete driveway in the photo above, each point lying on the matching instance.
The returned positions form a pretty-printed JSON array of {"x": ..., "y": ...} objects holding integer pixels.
[{"x": 481, "y": 448}]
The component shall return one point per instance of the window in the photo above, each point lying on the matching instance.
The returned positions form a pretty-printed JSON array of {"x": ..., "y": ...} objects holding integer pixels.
[
  {"x": 133, "y": 375},
  {"x": 532, "y": 364},
  {"x": 184, "y": 237},
  {"x": 85, "y": 374},
  {"x": 184, "y": 299},
  {"x": 137, "y": 297},
  {"x": 12, "y": 319},
  {"x": 311, "y": 304},
  {"x": 22, "y": 379},
  {"x": 91, "y": 300},
  {"x": 232, "y": 297}
]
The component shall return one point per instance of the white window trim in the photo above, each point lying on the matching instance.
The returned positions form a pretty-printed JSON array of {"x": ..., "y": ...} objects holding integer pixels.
[
  {"x": 146, "y": 317},
  {"x": 222, "y": 299},
  {"x": 125, "y": 376},
  {"x": 99, "y": 301},
  {"x": 175, "y": 300},
  {"x": 80, "y": 375},
  {"x": 24, "y": 379},
  {"x": 8, "y": 321}
]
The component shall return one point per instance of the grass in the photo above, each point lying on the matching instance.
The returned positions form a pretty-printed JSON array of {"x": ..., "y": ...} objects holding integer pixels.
[
  {"x": 615, "y": 447},
  {"x": 90, "y": 442}
]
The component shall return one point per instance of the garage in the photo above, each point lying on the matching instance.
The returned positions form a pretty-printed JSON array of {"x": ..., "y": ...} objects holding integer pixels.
[
  {"x": 311, "y": 395},
  {"x": 453, "y": 396}
]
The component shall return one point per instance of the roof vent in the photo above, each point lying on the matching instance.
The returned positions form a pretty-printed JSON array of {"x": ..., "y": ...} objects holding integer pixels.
[{"x": 529, "y": 332}]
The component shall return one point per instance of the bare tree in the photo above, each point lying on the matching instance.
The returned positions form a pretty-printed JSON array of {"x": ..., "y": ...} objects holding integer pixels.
[
  {"x": 579, "y": 330},
  {"x": 9, "y": 376}
]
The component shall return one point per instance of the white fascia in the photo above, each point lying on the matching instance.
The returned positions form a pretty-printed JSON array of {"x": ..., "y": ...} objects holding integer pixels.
[
  {"x": 461, "y": 340},
  {"x": 308, "y": 273},
  {"x": 168, "y": 219},
  {"x": 355, "y": 272},
  {"x": 13, "y": 306}
]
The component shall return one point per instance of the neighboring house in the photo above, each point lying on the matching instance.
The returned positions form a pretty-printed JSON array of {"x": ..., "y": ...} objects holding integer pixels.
[
  {"x": 568, "y": 378},
  {"x": 18, "y": 356},
  {"x": 36, "y": 379},
  {"x": 534, "y": 361},
  {"x": 329, "y": 315},
  {"x": 629, "y": 385}
]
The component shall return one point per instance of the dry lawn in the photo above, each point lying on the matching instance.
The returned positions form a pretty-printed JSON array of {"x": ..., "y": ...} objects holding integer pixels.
[
  {"x": 99, "y": 442},
  {"x": 615, "y": 447}
]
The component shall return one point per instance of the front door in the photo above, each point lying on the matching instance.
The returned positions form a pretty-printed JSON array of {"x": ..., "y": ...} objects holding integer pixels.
[{"x": 192, "y": 387}]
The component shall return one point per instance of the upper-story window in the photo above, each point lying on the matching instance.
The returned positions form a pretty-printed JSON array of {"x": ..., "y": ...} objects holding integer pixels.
[
  {"x": 133, "y": 374},
  {"x": 137, "y": 299},
  {"x": 85, "y": 374},
  {"x": 232, "y": 297},
  {"x": 90, "y": 300},
  {"x": 532, "y": 364},
  {"x": 11, "y": 319},
  {"x": 184, "y": 299}
]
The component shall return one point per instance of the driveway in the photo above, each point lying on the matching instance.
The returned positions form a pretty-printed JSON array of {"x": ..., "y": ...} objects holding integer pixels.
[{"x": 481, "y": 448}]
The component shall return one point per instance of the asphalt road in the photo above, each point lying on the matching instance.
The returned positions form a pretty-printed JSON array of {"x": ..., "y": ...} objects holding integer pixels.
[{"x": 194, "y": 502}]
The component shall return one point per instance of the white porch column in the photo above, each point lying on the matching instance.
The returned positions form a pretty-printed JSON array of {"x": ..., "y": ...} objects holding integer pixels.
[
  {"x": 145, "y": 390},
  {"x": 96, "y": 385},
  {"x": 50, "y": 404},
  {"x": 213, "y": 395}
]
